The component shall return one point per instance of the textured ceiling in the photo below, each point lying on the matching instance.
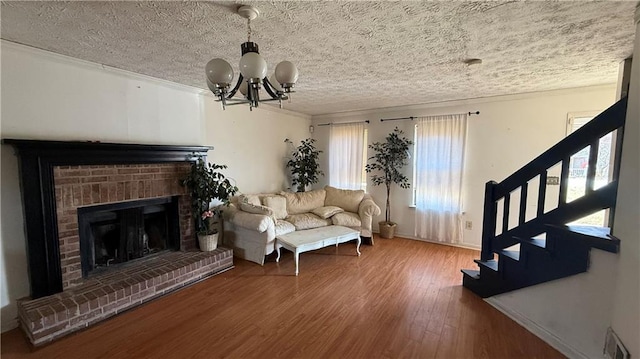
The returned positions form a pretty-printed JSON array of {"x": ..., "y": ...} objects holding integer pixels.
[{"x": 351, "y": 55}]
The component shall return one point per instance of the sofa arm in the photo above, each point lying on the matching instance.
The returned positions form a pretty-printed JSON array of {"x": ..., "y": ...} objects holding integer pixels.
[
  {"x": 256, "y": 222},
  {"x": 367, "y": 210},
  {"x": 368, "y": 207}
]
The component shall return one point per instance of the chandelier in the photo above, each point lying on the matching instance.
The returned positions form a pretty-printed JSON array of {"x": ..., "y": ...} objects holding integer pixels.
[{"x": 253, "y": 74}]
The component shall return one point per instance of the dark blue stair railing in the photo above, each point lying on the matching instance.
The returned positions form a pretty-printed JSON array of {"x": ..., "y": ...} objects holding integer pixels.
[{"x": 589, "y": 135}]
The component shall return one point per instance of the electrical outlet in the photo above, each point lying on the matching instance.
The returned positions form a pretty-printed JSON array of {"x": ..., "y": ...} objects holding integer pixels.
[{"x": 468, "y": 225}]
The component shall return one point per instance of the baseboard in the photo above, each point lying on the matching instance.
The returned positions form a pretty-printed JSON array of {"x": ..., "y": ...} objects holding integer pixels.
[
  {"x": 9, "y": 325},
  {"x": 459, "y": 245},
  {"x": 542, "y": 333}
]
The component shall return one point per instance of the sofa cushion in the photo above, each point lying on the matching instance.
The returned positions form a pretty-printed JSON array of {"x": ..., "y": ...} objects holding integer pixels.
[
  {"x": 307, "y": 221},
  {"x": 252, "y": 208},
  {"x": 327, "y": 211},
  {"x": 346, "y": 219},
  {"x": 347, "y": 199},
  {"x": 284, "y": 227},
  {"x": 251, "y": 221},
  {"x": 304, "y": 202},
  {"x": 249, "y": 198},
  {"x": 278, "y": 204}
]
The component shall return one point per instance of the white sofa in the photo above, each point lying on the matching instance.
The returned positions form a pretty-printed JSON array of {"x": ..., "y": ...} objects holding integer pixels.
[{"x": 252, "y": 222}]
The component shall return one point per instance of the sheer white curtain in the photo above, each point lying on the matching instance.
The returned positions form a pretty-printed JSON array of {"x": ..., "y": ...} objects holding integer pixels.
[
  {"x": 440, "y": 146},
  {"x": 346, "y": 154}
]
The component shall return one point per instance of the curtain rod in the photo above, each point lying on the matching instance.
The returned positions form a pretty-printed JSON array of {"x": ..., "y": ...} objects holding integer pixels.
[
  {"x": 341, "y": 123},
  {"x": 414, "y": 117}
]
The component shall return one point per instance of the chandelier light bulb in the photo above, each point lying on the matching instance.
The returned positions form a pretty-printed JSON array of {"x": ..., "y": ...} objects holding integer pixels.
[
  {"x": 274, "y": 83},
  {"x": 243, "y": 88},
  {"x": 253, "y": 66},
  {"x": 286, "y": 73},
  {"x": 219, "y": 72}
]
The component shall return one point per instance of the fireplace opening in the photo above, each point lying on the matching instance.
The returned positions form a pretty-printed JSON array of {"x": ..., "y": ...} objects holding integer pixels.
[{"x": 117, "y": 233}]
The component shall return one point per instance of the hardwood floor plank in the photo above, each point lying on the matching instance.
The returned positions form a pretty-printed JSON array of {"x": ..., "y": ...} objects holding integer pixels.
[{"x": 400, "y": 299}]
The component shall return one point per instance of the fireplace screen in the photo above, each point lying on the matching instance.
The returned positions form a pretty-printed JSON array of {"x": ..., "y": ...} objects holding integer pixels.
[{"x": 121, "y": 232}]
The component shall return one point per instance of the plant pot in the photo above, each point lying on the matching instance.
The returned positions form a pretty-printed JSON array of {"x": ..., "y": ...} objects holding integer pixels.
[
  {"x": 387, "y": 229},
  {"x": 208, "y": 242}
]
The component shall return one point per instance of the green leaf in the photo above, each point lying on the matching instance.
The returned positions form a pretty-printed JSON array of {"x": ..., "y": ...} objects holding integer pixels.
[
  {"x": 304, "y": 165},
  {"x": 206, "y": 184},
  {"x": 388, "y": 159}
]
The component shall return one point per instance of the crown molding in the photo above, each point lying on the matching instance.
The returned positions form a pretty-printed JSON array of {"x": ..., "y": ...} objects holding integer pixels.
[
  {"x": 64, "y": 59},
  {"x": 382, "y": 112},
  {"x": 52, "y": 56}
]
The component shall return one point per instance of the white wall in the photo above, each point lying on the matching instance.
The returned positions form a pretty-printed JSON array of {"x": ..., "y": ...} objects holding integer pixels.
[
  {"x": 573, "y": 313},
  {"x": 509, "y": 132},
  {"x": 626, "y": 310},
  {"x": 51, "y": 97},
  {"x": 252, "y": 144},
  {"x": 47, "y": 96}
]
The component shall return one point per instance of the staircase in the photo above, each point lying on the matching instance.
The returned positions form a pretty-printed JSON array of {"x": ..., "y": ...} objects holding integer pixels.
[{"x": 540, "y": 247}]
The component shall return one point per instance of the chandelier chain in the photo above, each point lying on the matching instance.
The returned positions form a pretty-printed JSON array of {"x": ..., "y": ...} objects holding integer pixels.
[{"x": 248, "y": 30}]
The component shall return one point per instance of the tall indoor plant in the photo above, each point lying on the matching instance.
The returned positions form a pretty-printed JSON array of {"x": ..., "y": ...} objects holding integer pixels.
[
  {"x": 206, "y": 183},
  {"x": 304, "y": 164},
  {"x": 388, "y": 160}
]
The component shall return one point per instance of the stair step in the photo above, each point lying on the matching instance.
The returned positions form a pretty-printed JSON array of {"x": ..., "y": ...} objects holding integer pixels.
[
  {"x": 592, "y": 236},
  {"x": 515, "y": 255},
  {"x": 593, "y": 231},
  {"x": 490, "y": 264},
  {"x": 540, "y": 243},
  {"x": 484, "y": 287},
  {"x": 471, "y": 273}
]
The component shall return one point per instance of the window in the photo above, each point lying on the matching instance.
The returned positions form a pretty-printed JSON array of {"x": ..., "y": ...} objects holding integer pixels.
[
  {"x": 348, "y": 156},
  {"x": 438, "y": 167},
  {"x": 579, "y": 164}
]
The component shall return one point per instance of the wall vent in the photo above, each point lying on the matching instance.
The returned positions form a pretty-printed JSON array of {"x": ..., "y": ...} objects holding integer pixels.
[{"x": 613, "y": 347}]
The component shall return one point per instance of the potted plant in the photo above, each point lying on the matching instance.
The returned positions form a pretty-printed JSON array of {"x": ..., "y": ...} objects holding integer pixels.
[
  {"x": 388, "y": 159},
  {"x": 205, "y": 184},
  {"x": 304, "y": 164}
]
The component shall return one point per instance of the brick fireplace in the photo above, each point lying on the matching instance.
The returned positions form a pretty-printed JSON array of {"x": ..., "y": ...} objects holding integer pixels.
[
  {"x": 82, "y": 186},
  {"x": 61, "y": 179}
]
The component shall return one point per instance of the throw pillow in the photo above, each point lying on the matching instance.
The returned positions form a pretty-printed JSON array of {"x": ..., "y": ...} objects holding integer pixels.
[
  {"x": 249, "y": 198},
  {"x": 347, "y": 199},
  {"x": 252, "y": 208},
  {"x": 327, "y": 211},
  {"x": 346, "y": 219},
  {"x": 307, "y": 221},
  {"x": 278, "y": 204},
  {"x": 304, "y": 202}
]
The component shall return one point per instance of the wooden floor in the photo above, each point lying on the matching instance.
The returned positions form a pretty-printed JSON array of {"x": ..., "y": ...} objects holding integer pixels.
[{"x": 400, "y": 299}]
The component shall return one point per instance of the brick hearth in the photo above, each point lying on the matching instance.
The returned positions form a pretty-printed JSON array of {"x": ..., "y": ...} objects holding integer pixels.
[{"x": 108, "y": 294}]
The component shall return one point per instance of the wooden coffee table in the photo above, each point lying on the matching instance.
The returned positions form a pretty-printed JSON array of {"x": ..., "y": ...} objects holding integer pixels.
[{"x": 316, "y": 238}]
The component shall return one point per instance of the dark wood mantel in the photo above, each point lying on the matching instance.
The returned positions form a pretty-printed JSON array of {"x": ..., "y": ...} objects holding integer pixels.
[{"x": 36, "y": 162}]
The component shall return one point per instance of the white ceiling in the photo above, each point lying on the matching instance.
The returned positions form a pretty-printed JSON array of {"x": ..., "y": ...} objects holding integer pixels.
[{"x": 351, "y": 55}]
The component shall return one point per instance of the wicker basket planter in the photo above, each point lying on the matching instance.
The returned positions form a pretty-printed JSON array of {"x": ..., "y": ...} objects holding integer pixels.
[
  {"x": 387, "y": 229},
  {"x": 208, "y": 242}
]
